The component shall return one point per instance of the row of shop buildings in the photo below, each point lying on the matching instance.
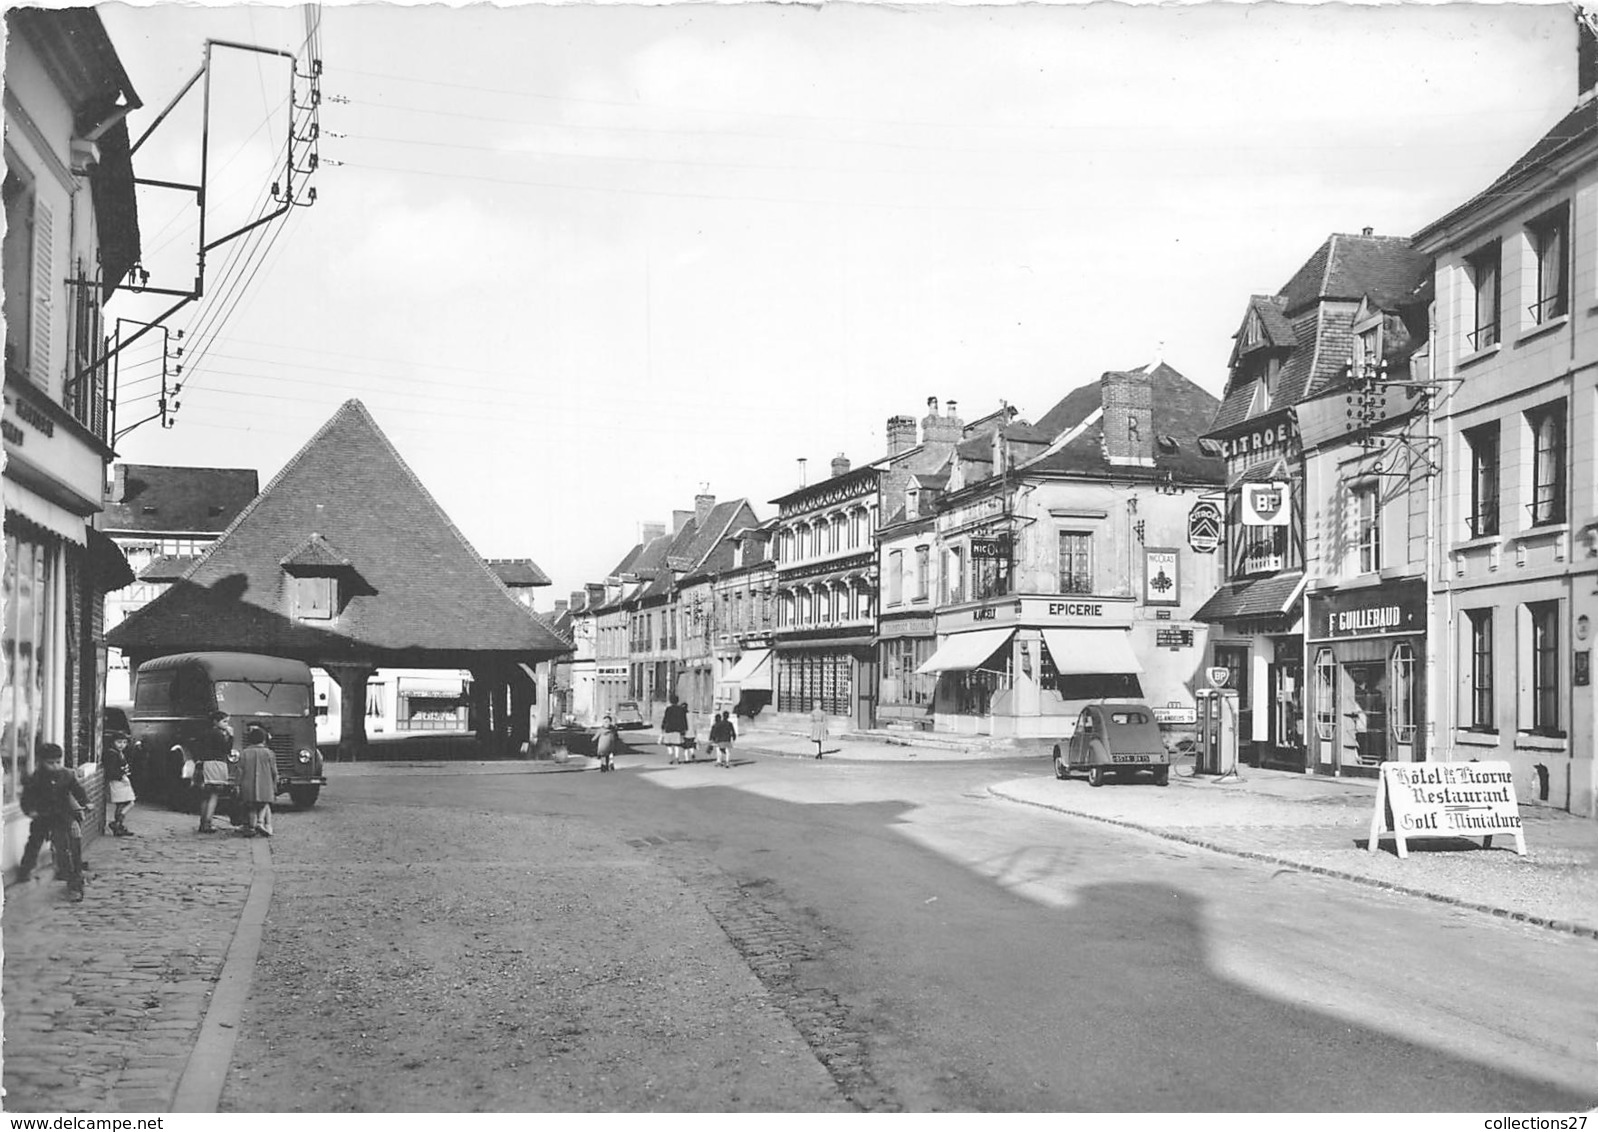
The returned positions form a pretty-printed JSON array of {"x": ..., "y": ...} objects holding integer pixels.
[{"x": 1386, "y": 532}]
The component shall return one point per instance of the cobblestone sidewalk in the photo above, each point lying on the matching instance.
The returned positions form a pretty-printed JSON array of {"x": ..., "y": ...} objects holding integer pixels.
[{"x": 104, "y": 998}]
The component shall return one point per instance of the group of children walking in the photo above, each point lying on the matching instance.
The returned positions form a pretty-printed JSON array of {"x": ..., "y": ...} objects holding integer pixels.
[{"x": 675, "y": 735}]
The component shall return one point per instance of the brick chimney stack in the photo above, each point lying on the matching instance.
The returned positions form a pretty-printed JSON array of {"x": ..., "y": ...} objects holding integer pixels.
[
  {"x": 678, "y": 519},
  {"x": 703, "y": 504},
  {"x": 578, "y": 600},
  {"x": 651, "y": 531},
  {"x": 936, "y": 428},
  {"x": 560, "y": 608},
  {"x": 1128, "y": 400},
  {"x": 901, "y": 434},
  {"x": 840, "y": 465}
]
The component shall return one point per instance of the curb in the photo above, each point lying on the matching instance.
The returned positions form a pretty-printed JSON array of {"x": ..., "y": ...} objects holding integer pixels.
[
  {"x": 1321, "y": 870},
  {"x": 200, "y": 1088}
]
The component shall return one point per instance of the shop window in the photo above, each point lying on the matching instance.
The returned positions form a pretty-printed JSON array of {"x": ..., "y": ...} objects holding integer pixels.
[
  {"x": 28, "y": 611},
  {"x": 1483, "y": 443},
  {"x": 1076, "y": 562},
  {"x": 1547, "y": 426},
  {"x": 1401, "y": 705},
  {"x": 1481, "y": 669},
  {"x": 1234, "y": 658},
  {"x": 1368, "y": 712},
  {"x": 1544, "y": 617},
  {"x": 1325, "y": 695}
]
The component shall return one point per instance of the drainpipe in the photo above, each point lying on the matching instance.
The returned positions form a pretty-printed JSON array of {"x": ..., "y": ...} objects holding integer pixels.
[{"x": 1434, "y": 496}]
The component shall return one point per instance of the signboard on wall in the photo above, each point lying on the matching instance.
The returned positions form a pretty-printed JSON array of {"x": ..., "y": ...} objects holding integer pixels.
[
  {"x": 1204, "y": 527},
  {"x": 1173, "y": 638},
  {"x": 1176, "y": 712},
  {"x": 1397, "y": 607},
  {"x": 1162, "y": 584},
  {"x": 1265, "y": 504},
  {"x": 1446, "y": 800}
]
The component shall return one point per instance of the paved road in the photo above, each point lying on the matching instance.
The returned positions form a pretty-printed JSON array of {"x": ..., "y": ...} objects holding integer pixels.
[{"x": 937, "y": 949}]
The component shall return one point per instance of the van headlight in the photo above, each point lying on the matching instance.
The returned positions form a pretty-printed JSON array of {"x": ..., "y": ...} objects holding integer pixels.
[{"x": 305, "y": 755}]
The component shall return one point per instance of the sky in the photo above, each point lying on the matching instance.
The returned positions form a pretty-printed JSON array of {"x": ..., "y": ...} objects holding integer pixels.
[{"x": 583, "y": 262}]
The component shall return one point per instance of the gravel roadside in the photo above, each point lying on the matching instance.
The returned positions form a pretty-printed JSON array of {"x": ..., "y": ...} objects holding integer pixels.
[{"x": 422, "y": 960}]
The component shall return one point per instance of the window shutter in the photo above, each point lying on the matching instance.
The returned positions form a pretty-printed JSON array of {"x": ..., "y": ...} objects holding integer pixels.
[{"x": 43, "y": 292}]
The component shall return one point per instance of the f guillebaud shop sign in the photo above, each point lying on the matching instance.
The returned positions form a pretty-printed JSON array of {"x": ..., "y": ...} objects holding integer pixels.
[{"x": 1398, "y": 607}]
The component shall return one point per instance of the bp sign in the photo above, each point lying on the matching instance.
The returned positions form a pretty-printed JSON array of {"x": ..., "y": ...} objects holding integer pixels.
[
  {"x": 1265, "y": 504},
  {"x": 1204, "y": 527}
]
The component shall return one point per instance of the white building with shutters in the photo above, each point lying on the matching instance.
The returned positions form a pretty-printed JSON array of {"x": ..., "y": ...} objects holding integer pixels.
[{"x": 71, "y": 237}]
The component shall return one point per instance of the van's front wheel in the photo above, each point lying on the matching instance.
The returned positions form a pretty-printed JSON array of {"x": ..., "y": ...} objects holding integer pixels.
[{"x": 304, "y": 796}]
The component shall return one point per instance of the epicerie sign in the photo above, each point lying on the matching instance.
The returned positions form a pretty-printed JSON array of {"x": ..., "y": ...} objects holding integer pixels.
[{"x": 1446, "y": 800}]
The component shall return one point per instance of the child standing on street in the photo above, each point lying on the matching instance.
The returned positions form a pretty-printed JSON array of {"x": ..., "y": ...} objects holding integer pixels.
[
  {"x": 605, "y": 740},
  {"x": 54, "y": 798},
  {"x": 257, "y": 783},
  {"x": 721, "y": 736},
  {"x": 119, "y": 787}
]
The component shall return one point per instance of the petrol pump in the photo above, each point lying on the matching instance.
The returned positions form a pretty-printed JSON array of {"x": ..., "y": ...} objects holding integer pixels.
[{"x": 1217, "y": 726}]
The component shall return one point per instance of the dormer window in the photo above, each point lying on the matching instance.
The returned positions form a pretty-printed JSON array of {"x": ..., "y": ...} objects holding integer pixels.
[
  {"x": 320, "y": 581},
  {"x": 315, "y": 598}
]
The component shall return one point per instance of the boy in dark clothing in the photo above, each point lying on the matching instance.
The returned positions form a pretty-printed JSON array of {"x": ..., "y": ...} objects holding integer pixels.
[{"x": 54, "y": 798}]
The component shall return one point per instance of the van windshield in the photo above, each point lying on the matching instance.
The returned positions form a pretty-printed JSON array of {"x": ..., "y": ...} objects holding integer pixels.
[{"x": 263, "y": 697}]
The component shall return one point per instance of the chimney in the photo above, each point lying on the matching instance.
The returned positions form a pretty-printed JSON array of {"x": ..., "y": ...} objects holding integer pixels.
[
  {"x": 901, "y": 434},
  {"x": 651, "y": 531},
  {"x": 802, "y": 463},
  {"x": 119, "y": 483},
  {"x": 560, "y": 609},
  {"x": 578, "y": 599},
  {"x": 1367, "y": 231},
  {"x": 595, "y": 593},
  {"x": 1128, "y": 400},
  {"x": 678, "y": 519},
  {"x": 703, "y": 504},
  {"x": 1586, "y": 55},
  {"x": 935, "y": 428},
  {"x": 840, "y": 465}
]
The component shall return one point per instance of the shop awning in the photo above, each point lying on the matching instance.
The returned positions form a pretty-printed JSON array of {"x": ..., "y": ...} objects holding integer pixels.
[
  {"x": 961, "y": 652},
  {"x": 753, "y": 671},
  {"x": 1079, "y": 652},
  {"x": 1273, "y": 596},
  {"x": 51, "y": 516},
  {"x": 430, "y": 686}
]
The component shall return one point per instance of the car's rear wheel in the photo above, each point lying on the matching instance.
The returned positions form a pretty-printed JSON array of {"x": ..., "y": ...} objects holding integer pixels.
[
  {"x": 1059, "y": 763},
  {"x": 1162, "y": 776},
  {"x": 1095, "y": 776},
  {"x": 304, "y": 796}
]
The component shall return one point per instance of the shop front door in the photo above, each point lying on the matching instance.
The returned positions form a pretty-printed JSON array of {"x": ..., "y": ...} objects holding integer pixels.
[{"x": 1364, "y": 719}]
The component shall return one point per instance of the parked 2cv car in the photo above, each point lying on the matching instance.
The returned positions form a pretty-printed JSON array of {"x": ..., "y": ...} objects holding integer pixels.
[
  {"x": 1114, "y": 740},
  {"x": 174, "y": 696}
]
